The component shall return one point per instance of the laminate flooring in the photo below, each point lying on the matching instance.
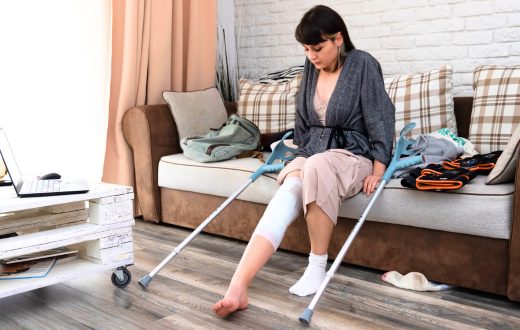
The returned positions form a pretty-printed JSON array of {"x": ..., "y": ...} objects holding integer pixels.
[{"x": 181, "y": 295}]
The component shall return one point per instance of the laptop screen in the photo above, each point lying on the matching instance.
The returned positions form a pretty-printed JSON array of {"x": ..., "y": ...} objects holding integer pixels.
[{"x": 9, "y": 161}]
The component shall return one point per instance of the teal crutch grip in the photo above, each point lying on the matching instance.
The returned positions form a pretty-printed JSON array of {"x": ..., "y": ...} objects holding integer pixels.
[
  {"x": 400, "y": 164},
  {"x": 408, "y": 161},
  {"x": 266, "y": 169}
]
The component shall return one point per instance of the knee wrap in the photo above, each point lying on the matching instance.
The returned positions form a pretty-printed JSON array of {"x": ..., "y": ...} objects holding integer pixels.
[{"x": 282, "y": 210}]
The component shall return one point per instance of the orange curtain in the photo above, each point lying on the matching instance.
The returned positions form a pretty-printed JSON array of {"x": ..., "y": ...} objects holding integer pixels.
[{"x": 156, "y": 46}]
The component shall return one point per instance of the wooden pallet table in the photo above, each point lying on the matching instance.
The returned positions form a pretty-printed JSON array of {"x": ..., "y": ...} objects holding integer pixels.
[{"x": 98, "y": 224}]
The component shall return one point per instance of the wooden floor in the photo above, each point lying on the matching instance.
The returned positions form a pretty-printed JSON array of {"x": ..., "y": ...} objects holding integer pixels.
[{"x": 181, "y": 295}]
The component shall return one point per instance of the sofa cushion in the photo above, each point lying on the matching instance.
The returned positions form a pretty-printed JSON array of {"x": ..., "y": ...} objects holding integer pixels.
[
  {"x": 496, "y": 106},
  {"x": 206, "y": 106},
  {"x": 271, "y": 106},
  {"x": 424, "y": 98},
  {"x": 475, "y": 209},
  {"x": 505, "y": 167},
  {"x": 219, "y": 179}
]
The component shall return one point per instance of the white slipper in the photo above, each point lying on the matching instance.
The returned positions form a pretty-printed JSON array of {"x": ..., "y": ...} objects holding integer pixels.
[{"x": 413, "y": 281}]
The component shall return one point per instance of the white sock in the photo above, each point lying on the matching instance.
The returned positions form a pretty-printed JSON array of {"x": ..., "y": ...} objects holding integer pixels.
[{"x": 311, "y": 280}]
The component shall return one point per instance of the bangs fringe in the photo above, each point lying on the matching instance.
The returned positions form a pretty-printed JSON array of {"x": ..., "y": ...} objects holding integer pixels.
[{"x": 309, "y": 34}]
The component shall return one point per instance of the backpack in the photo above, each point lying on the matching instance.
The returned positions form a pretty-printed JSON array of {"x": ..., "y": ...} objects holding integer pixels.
[{"x": 236, "y": 136}]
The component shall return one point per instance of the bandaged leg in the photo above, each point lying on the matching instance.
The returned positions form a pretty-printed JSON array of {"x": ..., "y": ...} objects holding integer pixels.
[
  {"x": 312, "y": 277},
  {"x": 282, "y": 210}
]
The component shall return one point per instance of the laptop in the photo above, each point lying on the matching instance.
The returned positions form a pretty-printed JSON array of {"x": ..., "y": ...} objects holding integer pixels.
[{"x": 36, "y": 188}]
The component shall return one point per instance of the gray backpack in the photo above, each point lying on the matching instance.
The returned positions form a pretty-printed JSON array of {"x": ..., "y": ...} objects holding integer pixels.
[{"x": 236, "y": 136}]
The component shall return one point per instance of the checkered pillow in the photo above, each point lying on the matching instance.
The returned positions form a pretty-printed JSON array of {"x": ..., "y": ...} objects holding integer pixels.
[
  {"x": 424, "y": 98},
  {"x": 271, "y": 106},
  {"x": 496, "y": 106}
]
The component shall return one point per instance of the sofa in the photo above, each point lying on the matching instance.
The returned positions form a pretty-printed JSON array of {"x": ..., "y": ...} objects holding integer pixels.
[{"x": 468, "y": 237}]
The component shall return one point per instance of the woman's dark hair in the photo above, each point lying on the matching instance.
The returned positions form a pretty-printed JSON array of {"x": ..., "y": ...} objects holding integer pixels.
[{"x": 319, "y": 24}]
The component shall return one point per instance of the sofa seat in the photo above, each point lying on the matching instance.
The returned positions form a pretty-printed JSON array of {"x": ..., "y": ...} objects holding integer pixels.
[{"x": 475, "y": 209}]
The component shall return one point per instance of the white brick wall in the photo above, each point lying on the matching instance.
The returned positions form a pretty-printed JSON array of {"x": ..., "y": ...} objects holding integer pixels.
[{"x": 406, "y": 36}]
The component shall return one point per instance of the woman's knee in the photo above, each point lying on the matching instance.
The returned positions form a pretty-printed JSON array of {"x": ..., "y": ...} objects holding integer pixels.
[
  {"x": 296, "y": 174},
  {"x": 317, "y": 215},
  {"x": 313, "y": 167}
]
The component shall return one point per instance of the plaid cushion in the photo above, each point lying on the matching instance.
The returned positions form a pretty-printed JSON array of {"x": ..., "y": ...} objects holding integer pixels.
[
  {"x": 424, "y": 98},
  {"x": 271, "y": 106},
  {"x": 496, "y": 106}
]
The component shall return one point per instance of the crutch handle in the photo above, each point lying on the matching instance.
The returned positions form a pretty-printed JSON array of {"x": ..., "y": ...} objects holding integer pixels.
[
  {"x": 266, "y": 169},
  {"x": 272, "y": 168},
  {"x": 400, "y": 164}
]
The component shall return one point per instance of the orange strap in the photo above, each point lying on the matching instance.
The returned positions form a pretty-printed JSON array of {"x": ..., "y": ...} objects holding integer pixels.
[
  {"x": 479, "y": 167},
  {"x": 425, "y": 184}
]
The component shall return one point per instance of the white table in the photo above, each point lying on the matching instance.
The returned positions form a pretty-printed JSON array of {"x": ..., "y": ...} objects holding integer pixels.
[{"x": 98, "y": 224}]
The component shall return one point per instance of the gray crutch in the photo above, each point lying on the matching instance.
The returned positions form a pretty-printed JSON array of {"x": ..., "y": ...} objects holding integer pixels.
[
  {"x": 397, "y": 163},
  {"x": 281, "y": 152}
]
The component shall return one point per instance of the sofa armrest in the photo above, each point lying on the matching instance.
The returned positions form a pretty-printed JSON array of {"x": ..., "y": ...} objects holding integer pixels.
[
  {"x": 151, "y": 133},
  {"x": 513, "y": 286}
]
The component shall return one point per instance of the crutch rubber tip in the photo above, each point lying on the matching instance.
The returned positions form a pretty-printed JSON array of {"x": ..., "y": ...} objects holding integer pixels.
[
  {"x": 143, "y": 282},
  {"x": 306, "y": 316}
]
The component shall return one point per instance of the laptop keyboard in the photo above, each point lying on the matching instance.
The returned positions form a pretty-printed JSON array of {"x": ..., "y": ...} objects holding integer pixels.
[{"x": 39, "y": 186}]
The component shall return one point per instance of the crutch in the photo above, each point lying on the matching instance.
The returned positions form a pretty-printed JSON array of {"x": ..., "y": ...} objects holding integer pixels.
[
  {"x": 281, "y": 152},
  {"x": 396, "y": 164}
]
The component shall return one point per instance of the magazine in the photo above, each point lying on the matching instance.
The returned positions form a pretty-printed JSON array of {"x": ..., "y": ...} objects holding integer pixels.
[
  {"x": 52, "y": 253},
  {"x": 29, "y": 269}
]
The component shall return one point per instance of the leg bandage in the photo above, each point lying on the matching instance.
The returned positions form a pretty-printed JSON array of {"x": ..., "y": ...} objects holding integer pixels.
[{"x": 282, "y": 210}]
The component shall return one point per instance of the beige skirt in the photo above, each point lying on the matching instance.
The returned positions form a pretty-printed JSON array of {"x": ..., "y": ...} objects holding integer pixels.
[{"x": 329, "y": 178}]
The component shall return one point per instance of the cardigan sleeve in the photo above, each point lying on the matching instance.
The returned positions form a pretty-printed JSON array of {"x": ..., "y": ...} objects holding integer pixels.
[
  {"x": 300, "y": 128},
  {"x": 378, "y": 111}
]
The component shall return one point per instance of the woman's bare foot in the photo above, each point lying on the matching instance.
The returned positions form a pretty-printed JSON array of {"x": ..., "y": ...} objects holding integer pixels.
[{"x": 234, "y": 300}]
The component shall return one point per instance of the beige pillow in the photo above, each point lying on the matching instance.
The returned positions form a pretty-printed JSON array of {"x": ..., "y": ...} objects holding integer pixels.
[
  {"x": 424, "y": 98},
  {"x": 505, "y": 168},
  {"x": 496, "y": 106},
  {"x": 196, "y": 112}
]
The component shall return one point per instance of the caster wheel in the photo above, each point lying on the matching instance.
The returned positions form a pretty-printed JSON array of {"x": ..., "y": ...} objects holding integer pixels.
[{"x": 127, "y": 277}]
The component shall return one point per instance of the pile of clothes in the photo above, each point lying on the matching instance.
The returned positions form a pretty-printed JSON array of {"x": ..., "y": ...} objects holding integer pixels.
[{"x": 450, "y": 162}]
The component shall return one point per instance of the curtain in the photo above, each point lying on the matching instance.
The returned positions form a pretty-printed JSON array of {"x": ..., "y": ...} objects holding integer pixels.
[{"x": 156, "y": 46}]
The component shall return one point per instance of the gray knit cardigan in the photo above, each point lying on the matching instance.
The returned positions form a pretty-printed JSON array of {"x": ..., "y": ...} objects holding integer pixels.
[{"x": 360, "y": 115}]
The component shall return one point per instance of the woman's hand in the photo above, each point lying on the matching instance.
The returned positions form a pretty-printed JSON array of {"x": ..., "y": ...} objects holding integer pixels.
[{"x": 371, "y": 182}]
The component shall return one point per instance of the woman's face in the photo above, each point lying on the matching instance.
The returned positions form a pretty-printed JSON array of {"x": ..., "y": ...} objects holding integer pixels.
[{"x": 323, "y": 55}]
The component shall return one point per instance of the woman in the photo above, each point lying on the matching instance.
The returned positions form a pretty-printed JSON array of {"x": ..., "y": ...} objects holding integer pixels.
[{"x": 344, "y": 132}]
